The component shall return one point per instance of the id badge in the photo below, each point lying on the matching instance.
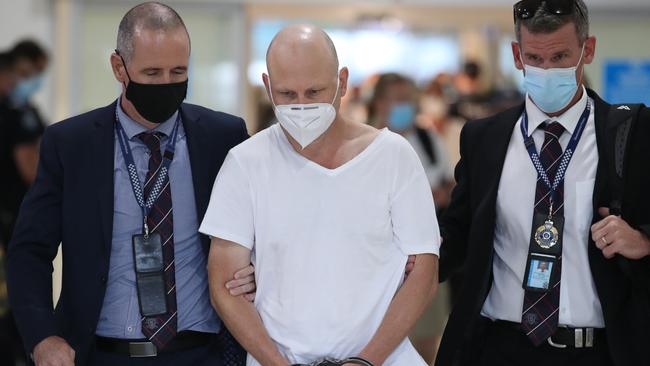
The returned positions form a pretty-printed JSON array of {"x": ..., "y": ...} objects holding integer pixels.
[
  {"x": 540, "y": 270},
  {"x": 150, "y": 274},
  {"x": 546, "y": 235}
]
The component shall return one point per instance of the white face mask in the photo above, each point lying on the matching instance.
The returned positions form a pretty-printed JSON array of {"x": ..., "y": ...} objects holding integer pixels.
[{"x": 305, "y": 122}]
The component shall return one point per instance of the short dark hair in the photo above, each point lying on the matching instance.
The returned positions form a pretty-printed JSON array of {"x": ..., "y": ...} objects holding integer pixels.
[
  {"x": 544, "y": 21},
  {"x": 150, "y": 15},
  {"x": 30, "y": 50},
  {"x": 6, "y": 61},
  {"x": 384, "y": 82},
  {"x": 472, "y": 69}
]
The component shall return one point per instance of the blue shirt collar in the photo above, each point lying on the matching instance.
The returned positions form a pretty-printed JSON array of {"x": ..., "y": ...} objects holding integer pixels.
[{"x": 133, "y": 128}]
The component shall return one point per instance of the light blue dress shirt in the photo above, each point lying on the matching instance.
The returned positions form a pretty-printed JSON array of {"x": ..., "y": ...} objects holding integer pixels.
[{"x": 120, "y": 315}]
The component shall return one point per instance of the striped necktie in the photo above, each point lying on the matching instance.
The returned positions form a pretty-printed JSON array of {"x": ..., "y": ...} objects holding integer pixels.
[
  {"x": 162, "y": 328},
  {"x": 540, "y": 313}
]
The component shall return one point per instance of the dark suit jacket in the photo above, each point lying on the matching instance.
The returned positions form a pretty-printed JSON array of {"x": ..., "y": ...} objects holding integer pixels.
[
  {"x": 71, "y": 202},
  {"x": 468, "y": 232}
]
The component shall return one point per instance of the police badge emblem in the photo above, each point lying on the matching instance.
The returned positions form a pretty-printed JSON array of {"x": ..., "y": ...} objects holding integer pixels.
[{"x": 547, "y": 235}]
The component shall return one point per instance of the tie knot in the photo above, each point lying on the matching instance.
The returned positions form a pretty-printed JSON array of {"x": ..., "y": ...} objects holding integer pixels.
[
  {"x": 152, "y": 140},
  {"x": 554, "y": 128}
]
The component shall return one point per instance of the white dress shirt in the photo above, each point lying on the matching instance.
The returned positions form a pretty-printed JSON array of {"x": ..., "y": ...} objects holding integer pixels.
[{"x": 579, "y": 303}]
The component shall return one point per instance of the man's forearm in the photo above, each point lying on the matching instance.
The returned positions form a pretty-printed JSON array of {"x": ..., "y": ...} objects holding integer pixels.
[
  {"x": 406, "y": 308},
  {"x": 243, "y": 321},
  {"x": 239, "y": 315}
]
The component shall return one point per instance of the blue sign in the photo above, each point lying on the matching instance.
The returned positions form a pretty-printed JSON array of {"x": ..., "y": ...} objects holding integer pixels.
[{"x": 627, "y": 81}]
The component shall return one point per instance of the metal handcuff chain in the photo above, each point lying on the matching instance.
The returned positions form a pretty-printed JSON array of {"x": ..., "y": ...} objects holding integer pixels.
[{"x": 335, "y": 362}]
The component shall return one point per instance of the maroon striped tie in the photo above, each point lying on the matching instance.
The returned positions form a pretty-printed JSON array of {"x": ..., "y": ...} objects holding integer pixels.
[
  {"x": 162, "y": 328},
  {"x": 540, "y": 313}
]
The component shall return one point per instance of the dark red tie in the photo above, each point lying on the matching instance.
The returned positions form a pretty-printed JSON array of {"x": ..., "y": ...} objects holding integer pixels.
[
  {"x": 540, "y": 313},
  {"x": 162, "y": 328}
]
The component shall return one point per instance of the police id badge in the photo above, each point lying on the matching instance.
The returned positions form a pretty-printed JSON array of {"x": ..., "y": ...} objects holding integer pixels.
[
  {"x": 545, "y": 249},
  {"x": 540, "y": 271},
  {"x": 150, "y": 274}
]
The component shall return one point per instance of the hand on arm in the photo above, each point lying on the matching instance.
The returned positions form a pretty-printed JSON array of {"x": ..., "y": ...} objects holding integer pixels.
[
  {"x": 409, "y": 303},
  {"x": 243, "y": 283},
  {"x": 26, "y": 160},
  {"x": 239, "y": 314},
  {"x": 613, "y": 235}
]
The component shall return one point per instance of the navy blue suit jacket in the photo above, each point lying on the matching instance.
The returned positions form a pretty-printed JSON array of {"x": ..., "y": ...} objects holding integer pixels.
[{"x": 71, "y": 202}]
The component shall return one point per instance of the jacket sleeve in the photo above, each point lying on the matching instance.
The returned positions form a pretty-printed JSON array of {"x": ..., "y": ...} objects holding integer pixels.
[
  {"x": 34, "y": 245},
  {"x": 635, "y": 198},
  {"x": 456, "y": 220}
]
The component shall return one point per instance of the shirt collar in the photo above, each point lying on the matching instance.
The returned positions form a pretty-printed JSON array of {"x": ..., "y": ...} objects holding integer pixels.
[
  {"x": 133, "y": 128},
  {"x": 569, "y": 119}
]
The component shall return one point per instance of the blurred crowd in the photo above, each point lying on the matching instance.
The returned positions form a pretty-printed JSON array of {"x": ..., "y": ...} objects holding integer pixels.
[{"x": 21, "y": 126}]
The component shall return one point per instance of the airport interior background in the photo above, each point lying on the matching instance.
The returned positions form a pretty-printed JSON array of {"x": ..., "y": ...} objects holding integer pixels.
[{"x": 457, "y": 53}]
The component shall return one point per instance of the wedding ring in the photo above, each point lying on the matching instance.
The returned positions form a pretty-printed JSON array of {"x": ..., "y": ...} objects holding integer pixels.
[{"x": 604, "y": 240}]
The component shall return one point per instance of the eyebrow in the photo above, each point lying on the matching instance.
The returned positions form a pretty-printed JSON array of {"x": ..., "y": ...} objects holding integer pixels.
[
  {"x": 156, "y": 69},
  {"x": 529, "y": 54}
]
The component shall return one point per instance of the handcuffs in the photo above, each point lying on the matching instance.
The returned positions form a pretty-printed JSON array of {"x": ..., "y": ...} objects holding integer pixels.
[{"x": 334, "y": 362}]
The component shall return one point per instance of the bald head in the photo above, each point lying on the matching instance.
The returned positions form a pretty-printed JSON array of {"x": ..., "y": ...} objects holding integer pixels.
[{"x": 301, "y": 43}]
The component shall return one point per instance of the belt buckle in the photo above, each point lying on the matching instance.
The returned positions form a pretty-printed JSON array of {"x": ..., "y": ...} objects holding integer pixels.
[
  {"x": 553, "y": 344},
  {"x": 142, "y": 349},
  {"x": 589, "y": 341},
  {"x": 578, "y": 338},
  {"x": 557, "y": 345}
]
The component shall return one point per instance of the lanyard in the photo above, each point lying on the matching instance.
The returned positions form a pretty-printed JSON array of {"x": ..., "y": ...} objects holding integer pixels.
[
  {"x": 160, "y": 177},
  {"x": 565, "y": 159}
]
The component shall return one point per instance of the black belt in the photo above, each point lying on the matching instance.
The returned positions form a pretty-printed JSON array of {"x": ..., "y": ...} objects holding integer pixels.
[
  {"x": 565, "y": 337},
  {"x": 183, "y": 341}
]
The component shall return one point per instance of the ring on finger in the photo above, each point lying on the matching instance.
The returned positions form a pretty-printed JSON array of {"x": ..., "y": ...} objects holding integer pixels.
[{"x": 604, "y": 239}]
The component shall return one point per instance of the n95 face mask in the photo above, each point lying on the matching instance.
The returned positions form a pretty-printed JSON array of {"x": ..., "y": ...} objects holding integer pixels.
[{"x": 305, "y": 122}]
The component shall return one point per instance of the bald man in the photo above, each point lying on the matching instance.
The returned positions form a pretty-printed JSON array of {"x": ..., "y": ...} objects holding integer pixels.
[{"x": 329, "y": 211}]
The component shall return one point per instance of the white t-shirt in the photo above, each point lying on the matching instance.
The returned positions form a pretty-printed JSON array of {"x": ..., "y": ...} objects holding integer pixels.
[{"x": 329, "y": 245}]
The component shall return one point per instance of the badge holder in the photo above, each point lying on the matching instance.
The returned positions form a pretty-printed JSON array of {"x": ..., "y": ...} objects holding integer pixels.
[
  {"x": 150, "y": 273},
  {"x": 544, "y": 251}
]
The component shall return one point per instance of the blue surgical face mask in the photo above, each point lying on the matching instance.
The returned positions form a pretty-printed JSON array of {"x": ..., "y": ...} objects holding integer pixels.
[
  {"x": 25, "y": 89},
  {"x": 401, "y": 116},
  {"x": 551, "y": 89}
]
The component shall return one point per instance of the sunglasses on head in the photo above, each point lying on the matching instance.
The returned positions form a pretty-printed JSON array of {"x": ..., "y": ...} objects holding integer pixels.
[{"x": 526, "y": 9}]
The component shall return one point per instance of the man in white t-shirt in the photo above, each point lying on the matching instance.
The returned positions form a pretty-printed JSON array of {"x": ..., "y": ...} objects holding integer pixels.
[{"x": 328, "y": 211}]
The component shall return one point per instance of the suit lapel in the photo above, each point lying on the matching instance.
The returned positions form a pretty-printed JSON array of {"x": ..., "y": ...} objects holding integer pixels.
[
  {"x": 497, "y": 136},
  {"x": 103, "y": 157},
  {"x": 198, "y": 160},
  {"x": 604, "y": 139}
]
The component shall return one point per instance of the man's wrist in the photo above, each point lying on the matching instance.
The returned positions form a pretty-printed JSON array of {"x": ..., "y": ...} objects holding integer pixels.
[{"x": 645, "y": 240}]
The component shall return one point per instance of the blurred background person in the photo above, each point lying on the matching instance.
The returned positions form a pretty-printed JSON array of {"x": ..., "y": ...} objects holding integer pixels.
[
  {"x": 394, "y": 104},
  {"x": 7, "y": 84},
  {"x": 22, "y": 129},
  {"x": 10, "y": 347}
]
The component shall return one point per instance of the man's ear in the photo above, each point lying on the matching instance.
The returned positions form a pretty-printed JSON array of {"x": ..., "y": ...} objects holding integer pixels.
[
  {"x": 344, "y": 74},
  {"x": 119, "y": 69},
  {"x": 267, "y": 86},
  {"x": 590, "y": 50},
  {"x": 516, "y": 54}
]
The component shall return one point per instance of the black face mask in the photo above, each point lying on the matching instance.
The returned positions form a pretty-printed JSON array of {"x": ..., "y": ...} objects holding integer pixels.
[{"x": 155, "y": 102}]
